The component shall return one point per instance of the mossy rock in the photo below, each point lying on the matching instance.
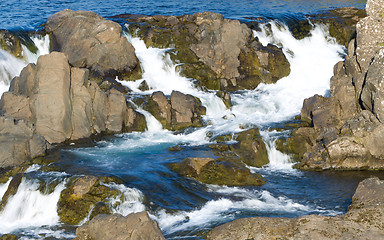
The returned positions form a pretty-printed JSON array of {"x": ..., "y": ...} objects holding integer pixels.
[
  {"x": 9, "y": 237},
  {"x": 210, "y": 171},
  {"x": 11, "y": 43},
  {"x": 298, "y": 143},
  {"x": 81, "y": 195},
  {"x": 229, "y": 174},
  {"x": 250, "y": 148}
]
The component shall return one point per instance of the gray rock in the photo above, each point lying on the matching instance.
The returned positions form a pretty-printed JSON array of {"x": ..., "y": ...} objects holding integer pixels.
[
  {"x": 90, "y": 41},
  {"x": 136, "y": 226},
  {"x": 186, "y": 111},
  {"x": 18, "y": 142},
  {"x": 52, "y": 103},
  {"x": 364, "y": 220},
  {"x": 375, "y": 8}
]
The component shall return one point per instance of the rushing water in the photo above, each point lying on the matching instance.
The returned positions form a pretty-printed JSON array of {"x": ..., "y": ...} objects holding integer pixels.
[{"x": 184, "y": 208}]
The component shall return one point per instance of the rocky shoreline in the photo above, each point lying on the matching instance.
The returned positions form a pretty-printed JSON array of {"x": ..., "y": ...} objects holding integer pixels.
[{"x": 71, "y": 95}]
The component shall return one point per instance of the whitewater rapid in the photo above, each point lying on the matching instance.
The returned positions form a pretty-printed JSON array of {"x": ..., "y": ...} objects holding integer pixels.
[{"x": 312, "y": 60}]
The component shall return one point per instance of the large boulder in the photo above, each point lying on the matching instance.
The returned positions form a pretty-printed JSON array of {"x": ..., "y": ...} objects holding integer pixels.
[
  {"x": 62, "y": 103},
  {"x": 364, "y": 220},
  {"x": 219, "y": 53},
  {"x": 135, "y": 226},
  {"x": 90, "y": 41}
]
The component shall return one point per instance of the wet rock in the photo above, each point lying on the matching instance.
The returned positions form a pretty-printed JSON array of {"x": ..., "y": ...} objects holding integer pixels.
[
  {"x": 135, "y": 226},
  {"x": 364, "y": 220},
  {"x": 81, "y": 196},
  {"x": 210, "y": 171},
  {"x": 176, "y": 148},
  {"x": 90, "y": 41},
  {"x": 251, "y": 148},
  {"x": 9, "y": 237},
  {"x": 226, "y": 97},
  {"x": 179, "y": 112},
  {"x": 186, "y": 111},
  {"x": 219, "y": 53},
  {"x": 143, "y": 86},
  {"x": 10, "y": 43}
]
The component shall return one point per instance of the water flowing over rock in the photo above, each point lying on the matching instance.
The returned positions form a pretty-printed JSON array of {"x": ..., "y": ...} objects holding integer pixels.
[
  {"x": 90, "y": 41},
  {"x": 364, "y": 220},
  {"x": 135, "y": 226},
  {"x": 219, "y": 53},
  {"x": 348, "y": 126}
]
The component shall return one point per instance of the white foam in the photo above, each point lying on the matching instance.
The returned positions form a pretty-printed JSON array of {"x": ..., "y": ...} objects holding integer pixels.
[
  {"x": 224, "y": 208},
  {"x": 131, "y": 200},
  {"x": 42, "y": 44},
  {"x": 30, "y": 208}
]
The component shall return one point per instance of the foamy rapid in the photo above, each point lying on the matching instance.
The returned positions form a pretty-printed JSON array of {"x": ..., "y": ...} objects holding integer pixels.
[
  {"x": 225, "y": 208},
  {"x": 30, "y": 208},
  {"x": 10, "y": 66}
]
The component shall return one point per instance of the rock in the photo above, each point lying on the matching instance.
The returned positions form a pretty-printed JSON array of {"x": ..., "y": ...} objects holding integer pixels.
[
  {"x": 10, "y": 43},
  {"x": 81, "y": 196},
  {"x": 159, "y": 106},
  {"x": 364, "y": 220},
  {"x": 135, "y": 226},
  {"x": 9, "y": 237},
  {"x": 375, "y": 8},
  {"x": 210, "y": 171},
  {"x": 19, "y": 142},
  {"x": 226, "y": 97},
  {"x": 90, "y": 41},
  {"x": 219, "y": 53},
  {"x": 51, "y": 104},
  {"x": 372, "y": 95},
  {"x": 68, "y": 105},
  {"x": 180, "y": 112},
  {"x": 251, "y": 148},
  {"x": 176, "y": 148},
  {"x": 186, "y": 111},
  {"x": 143, "y": 86}
]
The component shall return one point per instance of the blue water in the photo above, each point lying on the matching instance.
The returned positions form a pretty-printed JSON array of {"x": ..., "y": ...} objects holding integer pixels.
[{"x": 30, "y": 14}]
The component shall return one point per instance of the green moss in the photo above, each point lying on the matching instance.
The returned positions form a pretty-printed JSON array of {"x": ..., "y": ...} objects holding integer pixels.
[
  {"x": 8, "y": 237},
  {"x": 72, "y": 209}
]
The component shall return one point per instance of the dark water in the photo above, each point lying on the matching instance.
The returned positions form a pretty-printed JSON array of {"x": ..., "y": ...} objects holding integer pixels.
[{"x": 30, "y": 14}]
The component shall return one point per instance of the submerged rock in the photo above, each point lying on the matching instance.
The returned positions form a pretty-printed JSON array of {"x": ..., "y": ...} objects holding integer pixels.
[
  {"x": 90, "y": 41},
  {"x": 219, "y": 53},
  {"x": 135, "y": 226},
  {"x": 364, "y": 220},
  {"x": 210, "y": 171}
]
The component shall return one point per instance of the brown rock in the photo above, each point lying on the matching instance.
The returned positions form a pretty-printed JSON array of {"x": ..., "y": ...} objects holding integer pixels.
[
  {"x": 136, "y": 226},
  {"x": 90, "y": 41}
]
